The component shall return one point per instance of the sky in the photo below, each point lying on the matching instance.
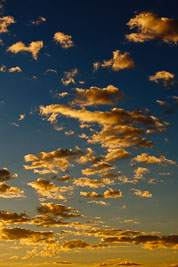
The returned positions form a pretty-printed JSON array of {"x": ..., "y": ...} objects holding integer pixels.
[{"x": 88, "y": 150}]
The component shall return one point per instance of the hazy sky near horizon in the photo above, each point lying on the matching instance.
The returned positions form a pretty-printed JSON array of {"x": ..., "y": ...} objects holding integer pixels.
[{"x": 88, "y": 152}]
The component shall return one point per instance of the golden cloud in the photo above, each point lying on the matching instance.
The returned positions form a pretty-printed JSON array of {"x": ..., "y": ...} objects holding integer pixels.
[
  {"x": 12, "y": 217},
  {"x": 97, "y": 96},
  {"x": 79, "y": 244},
  {"x": 93, "y": 183},
  {"x": 140, "y": 193},
  {"x": 107, "y": 194},
  {"x": 5, "y": 175},
  {"x": 145, "y": 158},
  {"x": 165, "y": 76},
  {"x": 13, "y": 69},
  {"x": 38, "y": 21},
  {"x": 117, "y": 153},
  {"x": 150, "y": 26},
  {"x": 5, "y": 22},
  {"x": 7, "y": 191},
  {"x": 69, "y": 77},
  {"x": 64, "y": 40},
  {"x": 34, "y": 48}
]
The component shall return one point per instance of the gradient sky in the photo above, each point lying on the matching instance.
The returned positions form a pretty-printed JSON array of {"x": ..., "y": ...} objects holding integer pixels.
[{"x": 88, "y": 154}]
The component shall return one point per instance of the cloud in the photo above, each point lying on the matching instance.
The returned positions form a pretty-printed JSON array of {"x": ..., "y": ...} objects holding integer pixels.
[
  {"x": 5, "y": 175},
  {"x": 97, "y": 96},
  {"x": 7, "y": 191},
  {"x": 58, "y": 210},
  {"x": 48, "y": 189},
  {"x": 63, "y": 262},
  {"x": 12, "y": 217},
  {"x": 115, "y": 154},
  {"x": 107, "y": 194},
  {"x": 100, "y": 167},
  {"x": 51, "y": 70},
  {"x": 118, "y": 62},
  {"x": 119, "y": 262},
  {"x": 68, "y": 133},
  {"x": 38, "y": 21},
  {"x": 3, "y": 68},
  {"x": 5, "y": 22},
  {"x": 149, "y": 241},
  {"x": 34, "y": 48},
  {"x": 79, "y": 244},
  {"x": 21, "y": 117},
  {"x": 100, "y": 202},
  {"x": 93, "y": 183},
  {"x": 149, "y": 26},
  {"x": 52, "y": 162},
  {"x": 145, "y": 158},
  {"x": 69, "y": 77},
  {"x": 13, "y": 69},
  {"x": 64, "y": 40},
  {"x": 140, "y": 193},
  {"x": 64, "y": 179},
  {"x": 164, "y": 76}
]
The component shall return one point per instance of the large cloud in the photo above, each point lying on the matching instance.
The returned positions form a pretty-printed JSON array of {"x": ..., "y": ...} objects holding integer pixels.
[
  {"x": 34, "y": 48},
  {"x": 150, "y": 26}
]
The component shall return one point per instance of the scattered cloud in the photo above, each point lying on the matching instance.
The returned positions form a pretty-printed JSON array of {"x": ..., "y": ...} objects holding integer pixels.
[
  {"x": 7, "y": 191},
  {"x": 69, "y": 77},
  {"x": 79, "y": 244},
  {"x": 38, "y": 21},
  {"x": 146, "y": 158},
  {"x": 34, "y": 48},
  {"x": 93, "y": 183},
  {"x": 118, "y": 62},
  {"x": 107, "y": 194},
  {"x": 64, "y": 40},
  {"x": 5, "y": 175},
  {"x": 140, "y": 193},
  {"x": 5, "y": 22},
  {"x": 100, "y": 202},
  {"x": 166, "y": 77},
  {"x": 21, "y": 117},
  {"x": 15, "y": 69},
  {"x": 12, "y": 217},
  {"x": 149, "y": 26},
  {"x": 97, "y": 96}
]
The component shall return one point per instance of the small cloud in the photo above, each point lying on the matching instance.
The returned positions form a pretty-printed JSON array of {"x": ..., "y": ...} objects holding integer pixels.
[
  {"x": 145, "y": 158},
  {"x": 38, "y": 21},
  {"x": 140, "y": 193},
  {"x": 64, "y": 40},
  {"x": 107, "y": 194},
  {"x": 14, "y": 124},
  {"x": 21, "y": 117},
  {"x": 69, "y": 133},
  {"x": 51, "y": 70},
  {"x": 118, "y": 62},
  {"x": 5, "y": 22},
  {"x": 63, "y": 94},
  {"x": 100, "y": 202},
  {"x": 13, "y": 69},
  {"x": 7, "y": 191},
  {"x": 164, "y": 76},
  {"x": 34, "y": 48},
  {"x": 69, "y": 77},
  {"x": 5, "y": 175},
  {"x": 3, "y": 68}
]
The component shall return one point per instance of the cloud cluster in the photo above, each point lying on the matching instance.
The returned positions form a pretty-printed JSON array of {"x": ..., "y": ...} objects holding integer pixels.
[
  {"x": 92, "y": 183},
  {"x": 149, "y": 26},
  {"x": 97, "y": 96},
  {"x": 63, "y": 39},
  {"x": 34, "y": 48},
  {"x": 118, "y": 62},
  {"x": 107, "y": 194},
  {"x": 12, "y": 217}
]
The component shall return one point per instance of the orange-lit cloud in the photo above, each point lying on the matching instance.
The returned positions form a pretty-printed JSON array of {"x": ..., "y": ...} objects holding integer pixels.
[
  {"x": 5, "y": 22},
  {"x": 149, "y": 26},
  {"x": 164, "y": 76},
  {"x": 5, "y": 175},
  {"x": 38, "y": 21},
  {"x": 107, "y": 194},
  {"x": 64, "y": 40},
  {"x": 69, "y": 77},
  {"x": 140, "y": 193},
  {"x": 146, "y": 158},
  {"x": 7, "y": 191},
  {"x": 34, "y": 48}
]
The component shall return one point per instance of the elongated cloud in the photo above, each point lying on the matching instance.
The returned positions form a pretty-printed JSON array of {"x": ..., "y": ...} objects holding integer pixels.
[
  {"x": 165, "y": 76},
  {"x": 63, "y": 39},
  {"x": 34, "y": 48},
  {"x": 144, "y": 157},
  {"x": 149, "y": 26},
  {"x": 107, "y": 194},
  {"x": 117, "y": 153},
  {"x": 7, "y": 191},
  {"x": 118, "y": 62},
  {"x": 5, "y": 22},
  {"x": 97, "y": 96},
  {"x": 14, "y": 69},
  {"x": 140, "y": 193},
  {"x": 93, "y": 183},
  {"x": 38, "y": 21},
  {"x": 79, "y": 244},
  {"x": 12, "y": 217}
]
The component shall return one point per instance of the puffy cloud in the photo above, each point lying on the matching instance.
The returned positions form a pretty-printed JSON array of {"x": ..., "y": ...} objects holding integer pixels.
[
  {"x": 48, "y": 189},
  {"x": 68, "y": 133},
  {"x": 107, "y": 194},
  {"x": 7, "y": 191},
  {"x": 65, "y": 178},
  {"x": 58, "y": 210},
  {"x": 100, "y": 167},
  {"x": 64, "y": 40},
  {"x": 138, "y": 173},
  {"x": 97, "y": 96},
  {"x": 118, "y": 62},
  {"x": 140, "y": 193},
  {"x": 34, "y": 48},
  {"x": 93, "y": 183},
  {"x": 13, "y": 69},
  {"x": 5, "y": 22},
  {"x": 12, "y": 217},
  {"x": 5, "y": 175},
  {"x": 165, "y": 76},
  {"x": 150, "y": 26},
  {"x": 48, "y": 221},
  {"x": 117, "y": 153},
  {"x": 38, "y": 21},
  {"x": 145, "y": 158},
  {"x": 3, "y": 68},
  {"x": 69, "y": 77},
  {"x": 21, "y": 117},
  {"x": 149, "y": 241},
  {"x": 52, "y": 162}
]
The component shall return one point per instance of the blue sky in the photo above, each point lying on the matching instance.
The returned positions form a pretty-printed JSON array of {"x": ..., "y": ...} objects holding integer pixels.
[{"x": 88, "y": 105}]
